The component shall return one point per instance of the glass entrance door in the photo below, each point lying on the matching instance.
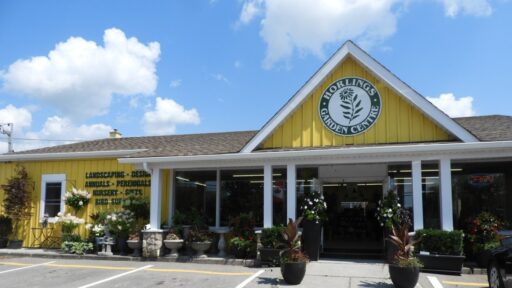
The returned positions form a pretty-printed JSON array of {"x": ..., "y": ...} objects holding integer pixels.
[{"x": 352, "y": 229}]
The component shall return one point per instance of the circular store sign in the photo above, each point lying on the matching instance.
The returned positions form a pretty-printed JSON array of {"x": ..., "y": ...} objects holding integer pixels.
[{"x": 349, "y": 106}]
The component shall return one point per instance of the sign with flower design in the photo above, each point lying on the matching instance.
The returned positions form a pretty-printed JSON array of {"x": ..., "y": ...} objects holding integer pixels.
[{"x": 350, "y": 106}]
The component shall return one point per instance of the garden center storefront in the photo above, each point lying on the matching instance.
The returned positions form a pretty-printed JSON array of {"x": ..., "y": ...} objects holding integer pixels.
[{"x": 353, "y": 132}]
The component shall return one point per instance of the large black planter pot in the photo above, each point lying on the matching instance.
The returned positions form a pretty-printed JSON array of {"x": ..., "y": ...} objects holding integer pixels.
[
  {"x": 270, "y": 256},
  {"x": 404, "y": 277},
  {"x": 293, "y": 272},
  {"x": 311, "y": 236},
  {"x": 442, "y": 263},
  {"x": 15, "y": 244},
  {"x": 121, "y": 245},
  {"x": 3, "y": 242},
  {"x": 240, "y": 253}
]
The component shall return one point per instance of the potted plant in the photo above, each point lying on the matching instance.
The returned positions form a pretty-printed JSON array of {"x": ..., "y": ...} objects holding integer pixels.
[
  {"x": 134, "y": 243},
  {"x": 68, "y": 223},
  {"x": 17, "y": 201},
  {"x": 388, "y": 216},
  {"x": 174, "y": 242},
  {"x": 482, "y": 236},
  {"x": 313, "y": 209},
  {"x": 243, "y": 241},
  {"x": 77, "y": 199},
  {"x": 97, "y": 229},
  {"x": 200, "y": 240},
  {"x": 272, "y": 243},
  {"x": 404, "y": 270},
  {"x": 5, "y": 230},
  {"x": 120, "y": 223},
  {"x": 293, "y": 260},
  {"x": 440, "y": 251}
]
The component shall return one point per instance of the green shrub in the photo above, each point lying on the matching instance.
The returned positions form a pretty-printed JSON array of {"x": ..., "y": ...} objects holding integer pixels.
[
  {"x": 440, "y": 242},
  {"x": 79, "y": 248},
  {"x": 71, "y": 238},
  {"x": 272, "y": 237}
]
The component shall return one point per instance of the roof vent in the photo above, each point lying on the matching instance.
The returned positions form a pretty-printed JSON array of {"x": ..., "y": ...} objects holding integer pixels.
[{"x": 115, "y": 134}]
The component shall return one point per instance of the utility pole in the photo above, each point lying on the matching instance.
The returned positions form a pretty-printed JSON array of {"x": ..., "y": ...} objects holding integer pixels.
[{"x": 7, "y": 129}]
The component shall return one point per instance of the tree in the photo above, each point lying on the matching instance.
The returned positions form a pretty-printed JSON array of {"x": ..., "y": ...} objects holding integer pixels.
[{"x": 17, "y": 197}]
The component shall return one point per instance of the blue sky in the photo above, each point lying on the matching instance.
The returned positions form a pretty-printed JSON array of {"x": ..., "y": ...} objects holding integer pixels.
[{"x": 207, "y": 66}]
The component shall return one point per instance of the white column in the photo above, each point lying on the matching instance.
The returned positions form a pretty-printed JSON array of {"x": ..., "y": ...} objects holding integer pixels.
[
  {"x": 155, "y": 199},
  {"x": 445, "y": 179},
  {"x": 267, "y": 196},
  {"x": 217, "y": 200},
  {"x": 417, "y": 195},
  {"x": 291, "y": 191},
  {"x": 170, "y": 213}
]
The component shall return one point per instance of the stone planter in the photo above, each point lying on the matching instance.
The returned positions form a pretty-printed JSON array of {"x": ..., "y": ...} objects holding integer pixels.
[
  {"x": 293, "y": 272},
  {"x": 442, "y": 263},
  {"x": 200, "y": 248},
  {"x": 135, "y": 245},
  {"x": 404, "y": 277},
  {"x": 174, "y": 245}
]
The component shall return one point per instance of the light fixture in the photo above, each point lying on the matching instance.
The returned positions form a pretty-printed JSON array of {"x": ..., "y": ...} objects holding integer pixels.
[{"x": 253, "y": 175}]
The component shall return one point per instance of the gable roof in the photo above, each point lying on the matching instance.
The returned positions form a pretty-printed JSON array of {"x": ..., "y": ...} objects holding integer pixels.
[
  {"x": 489, "y": 127},
  {"x": 350, "y": 49}
]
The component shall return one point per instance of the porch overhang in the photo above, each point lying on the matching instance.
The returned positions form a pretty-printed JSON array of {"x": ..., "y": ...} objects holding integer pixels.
[{"x": 354, "y": 154}]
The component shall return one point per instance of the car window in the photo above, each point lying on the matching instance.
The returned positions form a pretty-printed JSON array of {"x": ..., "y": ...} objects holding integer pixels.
[{"x": 506, "y": 242}]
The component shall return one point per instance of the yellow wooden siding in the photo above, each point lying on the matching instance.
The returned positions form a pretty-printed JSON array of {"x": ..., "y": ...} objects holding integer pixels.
[
  {"x": 399, "y": 121},
  {"x": 75, "y": 176}
]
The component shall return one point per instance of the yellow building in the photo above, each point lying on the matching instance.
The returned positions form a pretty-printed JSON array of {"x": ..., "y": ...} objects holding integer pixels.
[{"x": 353, "y": 131}]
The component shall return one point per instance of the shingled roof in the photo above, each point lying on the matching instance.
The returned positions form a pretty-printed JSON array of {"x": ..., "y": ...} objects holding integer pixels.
[
  {"x": 485, "y": 128},
  {"x": 488, "y": 128},
  {"x": 171, "y": 145}
]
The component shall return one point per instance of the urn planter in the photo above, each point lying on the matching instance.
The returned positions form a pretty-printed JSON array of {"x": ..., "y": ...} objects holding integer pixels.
[
  {"x": 293, "y": 272},
  {"x": 311, "y": 236},
  {"x": 404, "y": 277},
  {"x": 200, "y": 248},
  {"x": 135, "y": 245},
  {"x": 174, "y": 245}
]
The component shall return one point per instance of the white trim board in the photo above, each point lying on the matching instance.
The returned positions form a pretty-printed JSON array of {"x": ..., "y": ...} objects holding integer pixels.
[
  {"x": 68, "y": 155},
  {"x": 349, "y": 48}
]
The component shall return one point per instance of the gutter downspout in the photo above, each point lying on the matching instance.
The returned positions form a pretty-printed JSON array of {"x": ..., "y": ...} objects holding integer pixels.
[{"x": 146, "y": 168}]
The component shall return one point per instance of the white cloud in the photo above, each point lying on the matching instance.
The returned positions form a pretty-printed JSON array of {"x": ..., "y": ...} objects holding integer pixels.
[
  {"x": 302, "y": 27},
  {"x": 237, "y": 64},
  {"x": 479, "y": 8},
  {"x": 175, "y": 83},
  {"x": 306, "y": 26},
  {"x": 55, "y": 128},
  {"x": 79, "y": 77},
  {"x": 250, "y": 9},
  {"x": 166, "y": 115},
  {"x": 220, "y": 77},
  {"x": 452, "y": 106}
]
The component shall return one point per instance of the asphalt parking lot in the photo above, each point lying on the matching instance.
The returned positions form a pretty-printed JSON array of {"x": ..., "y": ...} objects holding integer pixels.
[{"x": 79, "y": 273}]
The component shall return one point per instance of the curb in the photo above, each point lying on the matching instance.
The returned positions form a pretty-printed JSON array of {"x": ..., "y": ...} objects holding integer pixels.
[{"x": 180, "y": 259}]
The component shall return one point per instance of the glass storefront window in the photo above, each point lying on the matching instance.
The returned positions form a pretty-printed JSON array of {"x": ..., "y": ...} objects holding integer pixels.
[
  {"x": 307, "y": 179},
  {"x": 481, "y": 187},
  {"x": 431, "y": 202},
  {"x": 241, "y": 192},
  {"x": 279, "y": 196},
  {"x": 401, "y": 180},
  {"x": 196, "y": 194}
]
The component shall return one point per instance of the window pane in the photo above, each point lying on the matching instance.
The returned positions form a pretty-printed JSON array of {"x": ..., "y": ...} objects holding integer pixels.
[
  {"x": 306, "y": 179},
  {"x": 195, "y": 194},
  {"x": 480, "y": 187},
  {"x": 241, "y": 192},
  {"x": 279, "y": 196},
  {"x": 430, "y": 188},
  {"x": 52, "y": 198},
  {"x": 401, "y": 179}
]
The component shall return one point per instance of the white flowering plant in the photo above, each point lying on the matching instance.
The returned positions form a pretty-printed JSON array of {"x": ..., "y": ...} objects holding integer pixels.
[
  {"x": 68, "y": 222},
  {"x": 77, "y": 198},
  {"x": 97, "y": 230},
  {"x": 388, "y": 210},
  {"x": 120, "y": 223},
  {"x": 313, "y": 206}
]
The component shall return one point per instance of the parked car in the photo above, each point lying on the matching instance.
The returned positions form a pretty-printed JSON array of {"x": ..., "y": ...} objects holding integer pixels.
[{"x": 499, "y": 270}]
